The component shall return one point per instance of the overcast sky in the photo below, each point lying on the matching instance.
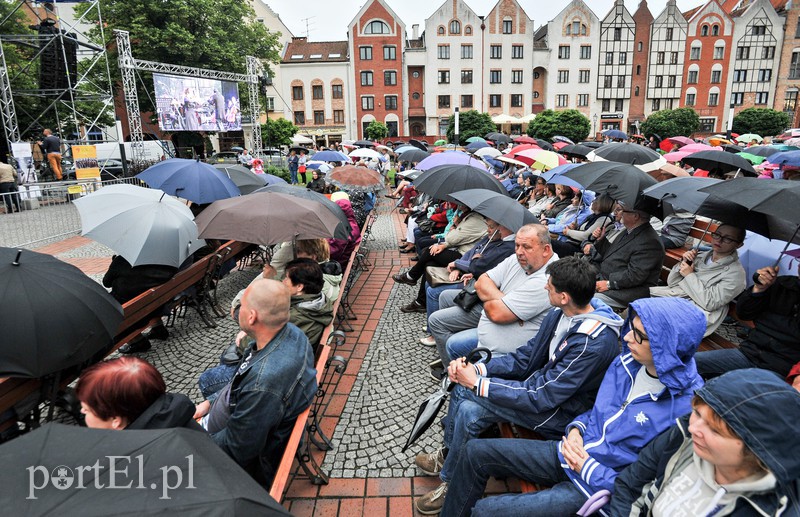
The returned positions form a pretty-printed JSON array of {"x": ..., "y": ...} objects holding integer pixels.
[{"x": 329, "y": 18}]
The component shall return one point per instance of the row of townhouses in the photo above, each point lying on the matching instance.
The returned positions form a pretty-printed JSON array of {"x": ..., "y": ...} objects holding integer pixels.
[{"x": 719, "y": 58}]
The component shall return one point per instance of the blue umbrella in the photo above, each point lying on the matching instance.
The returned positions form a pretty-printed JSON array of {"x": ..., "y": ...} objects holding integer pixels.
[
  {"x": 331, "y": 156},
  {"x": 615, "y": 133},
  {"x": 497, "y": 165},
  {"x": 554, "y": 176},
  {"x": 474, "y": 146},
  {"x": 190, "y": 179},
  {"x": 449, "y": 158},
  {"x": 273, "y": 180},
  {"x": 786, "y": 158}
]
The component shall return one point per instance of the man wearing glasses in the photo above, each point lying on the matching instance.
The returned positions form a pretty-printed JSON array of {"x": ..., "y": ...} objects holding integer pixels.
[
  {"x": 630, "y": 265},
  {"x": 710, "y": 279}
]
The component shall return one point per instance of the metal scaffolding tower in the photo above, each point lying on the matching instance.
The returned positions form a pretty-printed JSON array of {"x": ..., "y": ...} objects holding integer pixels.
[{"x": 128, "y": 66}]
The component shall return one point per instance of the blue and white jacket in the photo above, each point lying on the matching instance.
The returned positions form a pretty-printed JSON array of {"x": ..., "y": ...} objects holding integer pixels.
[
  {"x": 559, "y": 387},
  {"x": 615, "y": 430}
]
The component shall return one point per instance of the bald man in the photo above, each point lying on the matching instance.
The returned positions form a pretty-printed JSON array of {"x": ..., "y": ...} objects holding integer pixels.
[{"x": 252, "y": 417}]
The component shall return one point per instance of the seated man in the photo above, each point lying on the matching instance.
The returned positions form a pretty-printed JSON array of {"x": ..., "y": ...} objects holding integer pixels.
[
  {"x": 630, "y": 265},
  {"x": 252, "y": 417},
  {"x": 773, "y": 305},
  {"x": 646, "y": 387},
  {"x": 544, "y": 385},
  {"x": 711, "y": 279},
  {"x": 514, "y": 302}
]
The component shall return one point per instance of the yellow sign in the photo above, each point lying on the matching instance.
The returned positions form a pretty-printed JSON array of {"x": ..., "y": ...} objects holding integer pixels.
[
  {"x": 75, "y": 189},
  {"x": 86, "y": 166}
]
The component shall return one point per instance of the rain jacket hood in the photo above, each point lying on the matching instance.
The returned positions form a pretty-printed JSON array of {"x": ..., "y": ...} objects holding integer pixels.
[
  {"x": 764, "y": 411},
  {"x": 673, "y": 340}
]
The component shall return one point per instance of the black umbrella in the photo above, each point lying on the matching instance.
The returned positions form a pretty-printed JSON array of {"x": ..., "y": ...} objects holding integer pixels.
[
  {"x": 430, "y": 407},
  {"x": 364, "y": 143},
  {"x": 439, "y": 182},
  {"x": 500, "y": 208},
  {"x": 422, "y": 146},
  {"x": 52, "y": 315},
  {"x": 624, "y": 183},
  {"x": 575, "y": 150},
  {"x": 625, "y": 152},
  {"x": 70, "y": 470},
  {"x": 299, "y": 148},
  {"x": 342, "y": 231},
  {"x": 413, "y": 155},
  {"x": 592, "y": 144},
  {"x": 719, "y": 162},
  {"x": 731, "y": 148},
  {"x": 681, "y": 193},
  {"x": 498, "y": 137},
  {"x": 242, "y": 177},
  {"x": 544, "y": 144},
  {"x": 762, "y": 150}
]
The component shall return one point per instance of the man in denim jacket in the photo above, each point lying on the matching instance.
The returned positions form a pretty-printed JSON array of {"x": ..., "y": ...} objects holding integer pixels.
[{"x": 251, "y": 419}]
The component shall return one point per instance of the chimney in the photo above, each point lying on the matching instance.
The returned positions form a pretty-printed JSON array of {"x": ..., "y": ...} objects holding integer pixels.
[{"x": 415, "y": 31}]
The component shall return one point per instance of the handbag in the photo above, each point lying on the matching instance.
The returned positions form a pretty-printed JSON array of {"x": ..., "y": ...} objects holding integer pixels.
[
  {"x": 436, "y": 276},
  {"x": 467, "y": 298}
]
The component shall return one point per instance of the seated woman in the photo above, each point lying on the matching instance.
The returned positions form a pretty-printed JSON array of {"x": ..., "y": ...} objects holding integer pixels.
[
  {"x": 317, "y": 183},
  {"x": 317, "y": 249},
  {"x": 570, "y": 241},
  {"x": 564, "y": 195},
  {"x": 129, "y": 393},
  {"x": 732, "y": 455},
  {"x": 543, "y": 194},
  {"x": 309, "y": 309},
  {"x": 576, "y": 213}
]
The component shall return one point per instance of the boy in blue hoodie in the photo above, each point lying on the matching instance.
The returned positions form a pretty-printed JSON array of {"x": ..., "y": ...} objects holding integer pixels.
[
  {"x": 543, "y": 385},
  {"x": 645, "y": 389}
]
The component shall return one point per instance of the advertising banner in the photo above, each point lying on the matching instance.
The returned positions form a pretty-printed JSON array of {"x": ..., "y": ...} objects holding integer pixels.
[{"x": 86, "y": 166}]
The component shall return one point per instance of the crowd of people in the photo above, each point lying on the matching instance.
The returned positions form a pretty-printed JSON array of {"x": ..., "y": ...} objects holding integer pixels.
[{"x": 595, "y": 354}]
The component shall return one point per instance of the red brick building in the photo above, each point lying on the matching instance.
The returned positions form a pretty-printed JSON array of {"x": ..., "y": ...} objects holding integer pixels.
[
  {"x": 708, "y": 56},
  {"x": 376, "y": 37}
]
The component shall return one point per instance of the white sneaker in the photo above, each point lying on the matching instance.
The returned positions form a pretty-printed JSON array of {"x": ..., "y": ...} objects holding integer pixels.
[{"x": 427, "y": 341}]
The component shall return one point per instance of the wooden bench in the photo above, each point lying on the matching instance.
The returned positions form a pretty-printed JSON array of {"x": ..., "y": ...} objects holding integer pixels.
[
  {"x": 307, "y": 424},
  {"x": 23, "y": 397}
]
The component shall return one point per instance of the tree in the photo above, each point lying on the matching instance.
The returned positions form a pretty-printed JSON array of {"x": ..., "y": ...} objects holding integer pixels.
[
  {"x": 470, "y": 123},
  {"x": 376, "y": 130},
  {"x": 569, "y": 123},
  {"x": 667, "y": 123},
  {"x": 209, "y": 34},
  {"x": 277, "y": 132},
  {"x": 761, "y": 121}
]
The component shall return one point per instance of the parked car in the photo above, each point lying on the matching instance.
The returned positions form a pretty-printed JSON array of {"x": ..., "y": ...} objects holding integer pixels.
[{"x": 224, "y": 157}]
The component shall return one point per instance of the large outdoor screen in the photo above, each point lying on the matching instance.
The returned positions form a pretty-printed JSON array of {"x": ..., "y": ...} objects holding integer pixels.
[{"x": 195, "y": 104}]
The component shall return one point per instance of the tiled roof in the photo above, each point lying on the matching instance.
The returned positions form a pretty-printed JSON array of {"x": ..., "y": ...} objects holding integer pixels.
[
  {"x": 300, "y": 50},
  {"x": 691, "y": 12}
]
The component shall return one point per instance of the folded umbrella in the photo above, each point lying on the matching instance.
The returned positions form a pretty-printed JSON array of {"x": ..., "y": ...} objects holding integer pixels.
[
  {"x": 430, "y": 407},
  {"x": 624, "y": 183},
  {"x": 73, "y": 470},
  {"x": 500, "y": 208},
  {"x": 189, "y": 179},
  {"x": 53, "y": 316},
  {"x": 342, "y": 230},
  {"x": 143, "y": 225},
  {"x": 439, "y": 182},
  {"x": 267, "y": 218}
]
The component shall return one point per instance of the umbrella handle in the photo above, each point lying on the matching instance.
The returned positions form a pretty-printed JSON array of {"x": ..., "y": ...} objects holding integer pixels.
[{"x": 473, "y": 357}]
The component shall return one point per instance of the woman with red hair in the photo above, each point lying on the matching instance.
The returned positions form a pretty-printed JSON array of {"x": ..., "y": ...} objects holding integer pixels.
[{"x": 130, "y": 393}]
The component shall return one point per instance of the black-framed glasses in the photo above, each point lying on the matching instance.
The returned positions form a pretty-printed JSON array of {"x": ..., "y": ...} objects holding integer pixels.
[
  {"x": 638, "y": 335},
  {"x": 723, "y": 238}
]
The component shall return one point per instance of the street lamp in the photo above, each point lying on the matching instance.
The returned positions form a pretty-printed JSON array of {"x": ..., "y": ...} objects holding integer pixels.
[
  {"x": 455, "y": 132},
  {"x": 594, "y": 124}
]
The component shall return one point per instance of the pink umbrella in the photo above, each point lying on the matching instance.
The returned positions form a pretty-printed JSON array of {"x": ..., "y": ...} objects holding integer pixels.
[
  {"x": 524, "y": 139},
  {"x": 560, "y": 145},
  {"x": 695, "y": 147},
  {"x": 676, "y": 156},
  {"x": 523, "y": 147},
  {"x": 681, "y": 141}
]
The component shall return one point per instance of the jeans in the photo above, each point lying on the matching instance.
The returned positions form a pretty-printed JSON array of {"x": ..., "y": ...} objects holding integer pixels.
[
  {"x": 450, "y": 319},
  {"x": 460, "y": 344},
  {"x": 468, "y": 415},
  {"x": 214, "y": 379},
  {"x": 293, "y": 175},
  {"x": 716, "y": 362},
  {"x": 432, "y": 296},
  {"x": 8, "y": 192},
  {"x": 531, "y": 460}
]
